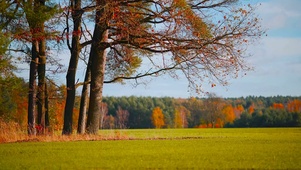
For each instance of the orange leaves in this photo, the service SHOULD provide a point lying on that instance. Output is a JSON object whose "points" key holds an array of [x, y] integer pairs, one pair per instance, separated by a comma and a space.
{"points": [[294, 106], [157, 118], [238, 110], [251, 109], [58, 115], [278, 106], [228, 111], [243, 11]]}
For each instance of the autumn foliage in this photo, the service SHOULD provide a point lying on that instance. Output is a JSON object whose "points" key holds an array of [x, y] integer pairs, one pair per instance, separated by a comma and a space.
{"points": [[278, 106], [180, 117], [229, 113], [294, 106], [157, 118]]}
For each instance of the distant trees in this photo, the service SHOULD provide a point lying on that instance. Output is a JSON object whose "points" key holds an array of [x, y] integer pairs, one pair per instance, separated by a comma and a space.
{"points": [[157, 118], [229, 115], [212, 112], [103, 117], [195, 112], [181, 117], [140, 112], [294, 106], [122, 117]]}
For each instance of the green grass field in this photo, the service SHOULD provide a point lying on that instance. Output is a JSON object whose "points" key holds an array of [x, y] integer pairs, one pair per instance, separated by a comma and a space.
{"points": [[275, 148]]}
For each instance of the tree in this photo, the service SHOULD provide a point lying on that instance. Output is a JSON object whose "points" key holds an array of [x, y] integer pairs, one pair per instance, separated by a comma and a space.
{"points": [[180, 117], [294, 106], [122, 117], [75, 48], [278, 106], [213, 106], [197, 46], [181, 35], [104, 113], [109, 122], [239, 109], [25, 23], [157, 118], [195, 108], [228, 111]]}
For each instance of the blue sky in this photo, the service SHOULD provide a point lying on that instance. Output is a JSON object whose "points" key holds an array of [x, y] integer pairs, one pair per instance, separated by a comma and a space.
{"points": [[276, 60]]}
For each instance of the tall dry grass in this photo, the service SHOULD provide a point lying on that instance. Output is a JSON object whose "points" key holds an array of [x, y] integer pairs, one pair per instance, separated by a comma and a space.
{"points": [[13, 132]]}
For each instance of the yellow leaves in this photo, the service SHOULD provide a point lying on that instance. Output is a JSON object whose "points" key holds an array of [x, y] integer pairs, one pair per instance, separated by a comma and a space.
{"points": [[193, 21], [180, 3], [157, 117]]}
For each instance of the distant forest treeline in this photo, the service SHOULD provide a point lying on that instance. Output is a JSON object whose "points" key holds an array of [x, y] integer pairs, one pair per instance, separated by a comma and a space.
{"points": [[153, 112], [249, 111]]}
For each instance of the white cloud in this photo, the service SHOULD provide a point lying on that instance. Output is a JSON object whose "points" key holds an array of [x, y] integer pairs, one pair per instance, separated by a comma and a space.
{"points": [[273, 49], [278, 13]]}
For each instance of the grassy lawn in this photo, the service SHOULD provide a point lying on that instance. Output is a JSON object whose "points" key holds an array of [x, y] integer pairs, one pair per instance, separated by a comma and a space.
{"points": [[275, 148]]}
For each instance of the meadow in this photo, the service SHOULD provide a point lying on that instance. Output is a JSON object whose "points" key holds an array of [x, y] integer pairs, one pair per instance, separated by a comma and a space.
{"points": [[256, 148]]}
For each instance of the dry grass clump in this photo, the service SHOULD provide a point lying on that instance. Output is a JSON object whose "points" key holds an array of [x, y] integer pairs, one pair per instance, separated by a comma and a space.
{"points": [[13, 132]]}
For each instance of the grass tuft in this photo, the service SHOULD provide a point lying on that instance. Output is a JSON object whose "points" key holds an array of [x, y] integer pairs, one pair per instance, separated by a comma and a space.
{"points": [[11, 132]]}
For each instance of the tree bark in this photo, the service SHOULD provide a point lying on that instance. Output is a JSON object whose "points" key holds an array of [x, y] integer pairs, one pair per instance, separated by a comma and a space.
{"points": [[97, 76], [98, 61], [84, 101], [70, 78], [47, 123], [32, 89], [41, 86]]}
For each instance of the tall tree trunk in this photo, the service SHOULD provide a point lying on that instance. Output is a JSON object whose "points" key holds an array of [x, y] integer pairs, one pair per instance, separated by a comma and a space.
{"points": [[41, 72], [47, 123], [41, 85], [98, 61], [70, 78], [97, 77], [84, 101], [32, 89]]}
